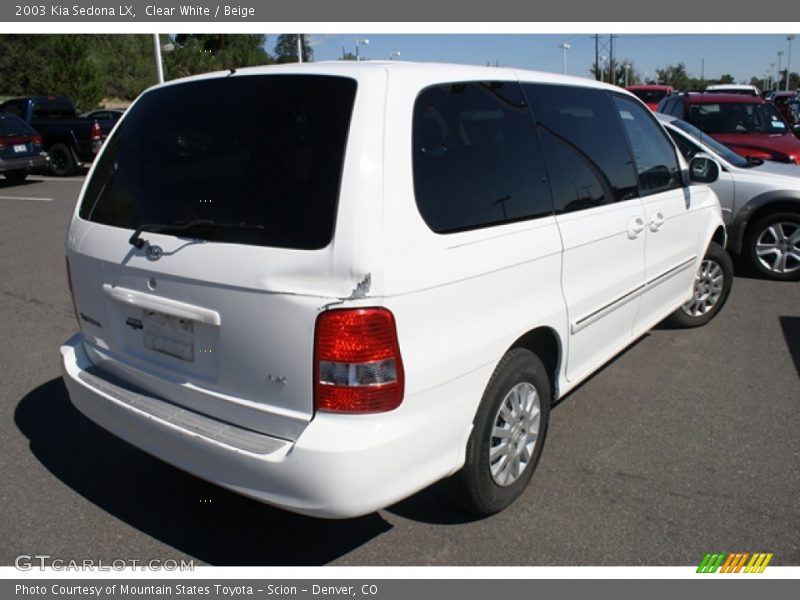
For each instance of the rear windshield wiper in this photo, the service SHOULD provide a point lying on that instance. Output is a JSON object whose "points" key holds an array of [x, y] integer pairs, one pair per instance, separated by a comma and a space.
{"points": [[138, 242]]}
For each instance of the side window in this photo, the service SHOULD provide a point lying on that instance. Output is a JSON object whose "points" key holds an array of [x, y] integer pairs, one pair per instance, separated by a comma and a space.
{"points": [[586, 149], [687, 148], [477, 159], [675, 108], [654, 155]]}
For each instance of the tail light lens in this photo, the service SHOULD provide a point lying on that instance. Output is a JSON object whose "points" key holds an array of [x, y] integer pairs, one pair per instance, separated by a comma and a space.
{"points": [[37, 142], [357, 364], [96, 131]]}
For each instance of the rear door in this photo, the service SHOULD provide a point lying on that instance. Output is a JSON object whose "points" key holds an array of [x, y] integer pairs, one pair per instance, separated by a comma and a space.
{"points": [[599, 215], [218, 317]]}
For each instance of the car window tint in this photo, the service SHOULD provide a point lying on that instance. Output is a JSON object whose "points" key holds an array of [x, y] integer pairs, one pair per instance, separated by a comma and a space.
{"points": [[477, 160], [11, 125], [654, 155], [583, 119], [687, 148], [262, 150]]}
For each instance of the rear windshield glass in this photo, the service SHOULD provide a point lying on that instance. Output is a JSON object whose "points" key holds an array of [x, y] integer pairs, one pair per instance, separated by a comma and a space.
{"points": [[263, 151], [651, 96], [11, 125]]}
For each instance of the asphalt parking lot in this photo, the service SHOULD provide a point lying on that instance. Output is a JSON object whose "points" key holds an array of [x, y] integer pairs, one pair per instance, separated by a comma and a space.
{"points": [[686, 443]]}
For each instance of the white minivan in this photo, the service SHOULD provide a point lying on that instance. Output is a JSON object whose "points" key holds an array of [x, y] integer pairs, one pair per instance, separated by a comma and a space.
{"points": [[327, 286]]}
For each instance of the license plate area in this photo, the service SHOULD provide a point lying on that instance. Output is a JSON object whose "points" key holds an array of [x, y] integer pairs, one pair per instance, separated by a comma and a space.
{"points": [[20, 148], [173, 336]]}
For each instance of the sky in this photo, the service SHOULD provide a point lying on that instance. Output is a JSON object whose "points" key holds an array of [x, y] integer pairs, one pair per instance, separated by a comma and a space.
{"points": [[709, 55]]}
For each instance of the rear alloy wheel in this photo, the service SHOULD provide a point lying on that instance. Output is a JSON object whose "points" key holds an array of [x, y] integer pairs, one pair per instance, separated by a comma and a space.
{"points": [[712, 284], [772, 246], [62, 162], [507, 436]]}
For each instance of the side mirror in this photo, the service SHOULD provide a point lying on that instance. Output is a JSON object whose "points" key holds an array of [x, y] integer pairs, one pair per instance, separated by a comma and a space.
{"points": [[703, 169]]}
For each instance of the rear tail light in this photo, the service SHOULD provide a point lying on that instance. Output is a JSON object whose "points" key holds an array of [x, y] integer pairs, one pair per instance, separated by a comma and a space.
{"points": [[357, 364], [96, 132], [37, 142]]}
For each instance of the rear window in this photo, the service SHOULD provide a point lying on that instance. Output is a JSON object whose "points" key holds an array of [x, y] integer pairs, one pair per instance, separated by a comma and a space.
{"points": [[11, 125], [53, 109], [651, 96], [263, 151]]}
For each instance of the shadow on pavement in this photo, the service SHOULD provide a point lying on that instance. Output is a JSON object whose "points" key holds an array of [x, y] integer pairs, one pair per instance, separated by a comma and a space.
{"points": [[791, 331], [195, 517]]}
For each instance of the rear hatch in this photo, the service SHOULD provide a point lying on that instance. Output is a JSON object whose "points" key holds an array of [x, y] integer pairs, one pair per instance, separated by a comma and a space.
{"points": [[17, 138], [200, 254]]}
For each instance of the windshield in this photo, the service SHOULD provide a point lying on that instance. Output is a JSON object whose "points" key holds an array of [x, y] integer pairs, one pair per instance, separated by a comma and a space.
{"points": [[649, 96], [722, 150], [264, 150], [735, 117]]}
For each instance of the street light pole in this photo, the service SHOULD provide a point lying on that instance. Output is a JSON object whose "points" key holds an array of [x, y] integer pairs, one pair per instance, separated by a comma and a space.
{"points": [[364, 42], [778, 86], [159, 65], [564, 47], [789, 38]]}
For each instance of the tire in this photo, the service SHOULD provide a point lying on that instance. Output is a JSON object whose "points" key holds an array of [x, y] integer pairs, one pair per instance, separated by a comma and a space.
{"points": [[772, 246], [497, 469], [16, 176], [712, 285], [62, 161]]}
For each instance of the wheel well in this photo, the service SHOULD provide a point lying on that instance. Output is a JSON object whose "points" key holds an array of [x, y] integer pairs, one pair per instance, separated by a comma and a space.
{"points": [[544, 343], [720, 237], [772, 207]]}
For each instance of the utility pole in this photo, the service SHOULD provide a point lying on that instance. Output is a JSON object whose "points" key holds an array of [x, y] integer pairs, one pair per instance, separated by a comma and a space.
{"points": [[597, 56], [612, 75], [789, 38], [564, 47]]}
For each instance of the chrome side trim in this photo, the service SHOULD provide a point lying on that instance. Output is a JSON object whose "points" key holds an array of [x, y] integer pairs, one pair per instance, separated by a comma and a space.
{"points": [[598, 314]]}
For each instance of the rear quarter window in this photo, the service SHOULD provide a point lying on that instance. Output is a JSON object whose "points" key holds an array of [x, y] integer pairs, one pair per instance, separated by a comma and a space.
{"points": [[477, 160], [263, 150]]}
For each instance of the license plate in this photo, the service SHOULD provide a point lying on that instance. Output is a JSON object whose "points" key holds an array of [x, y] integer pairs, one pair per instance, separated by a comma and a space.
{"points": [[20, 148], [169, 335]]}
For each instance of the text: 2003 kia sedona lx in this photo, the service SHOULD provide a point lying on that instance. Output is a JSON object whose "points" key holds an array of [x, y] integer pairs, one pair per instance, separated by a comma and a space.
{"points": [[327, 286]]}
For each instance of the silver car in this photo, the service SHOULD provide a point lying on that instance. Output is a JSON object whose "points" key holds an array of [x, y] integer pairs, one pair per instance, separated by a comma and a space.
{"points": [[760, 202]]}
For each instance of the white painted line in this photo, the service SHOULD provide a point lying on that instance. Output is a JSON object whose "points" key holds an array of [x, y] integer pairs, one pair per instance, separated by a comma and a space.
{"points": [[26, 198]]}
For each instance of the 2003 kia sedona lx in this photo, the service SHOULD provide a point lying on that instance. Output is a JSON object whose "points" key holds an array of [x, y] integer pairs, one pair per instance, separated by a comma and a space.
{"points": [[327, 286]]}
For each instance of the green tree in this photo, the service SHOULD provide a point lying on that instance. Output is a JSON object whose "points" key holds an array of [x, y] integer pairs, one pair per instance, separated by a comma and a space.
{"points": [[73, 71], [126, 63], [286, 48], [674, 75], [24, 64], [202, 53]]}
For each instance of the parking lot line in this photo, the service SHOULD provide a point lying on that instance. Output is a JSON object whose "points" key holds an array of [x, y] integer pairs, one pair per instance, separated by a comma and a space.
{"points": [[26, 198]]}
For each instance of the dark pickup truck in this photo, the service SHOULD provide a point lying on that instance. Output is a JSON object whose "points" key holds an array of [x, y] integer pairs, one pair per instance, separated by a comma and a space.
{"points": [[71, 141]]}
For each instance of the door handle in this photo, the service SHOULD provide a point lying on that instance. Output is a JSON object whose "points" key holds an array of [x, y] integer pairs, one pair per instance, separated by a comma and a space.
{"points": [[656, 222], [635, 227]]}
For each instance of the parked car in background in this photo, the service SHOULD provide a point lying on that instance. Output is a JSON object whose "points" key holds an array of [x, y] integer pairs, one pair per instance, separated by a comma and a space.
{"points": [[70, 141], [749, 125], [106, 117], [784, 101], [20, 148], [384, 282], [734, 88], [650, 94], [760, 202]]}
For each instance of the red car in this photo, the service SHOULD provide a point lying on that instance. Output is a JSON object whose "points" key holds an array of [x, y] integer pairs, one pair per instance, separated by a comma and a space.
{"points": [[782, 101], [650, 94], [749, 125]]}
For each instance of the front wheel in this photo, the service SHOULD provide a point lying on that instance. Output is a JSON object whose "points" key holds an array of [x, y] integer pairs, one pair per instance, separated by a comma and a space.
{"points": [[507, 436], [772, 246], [712, 284]]}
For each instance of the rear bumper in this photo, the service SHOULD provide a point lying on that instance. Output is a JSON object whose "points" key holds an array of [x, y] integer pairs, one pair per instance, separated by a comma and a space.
{"points": [[24, 163], [341, 465]]}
